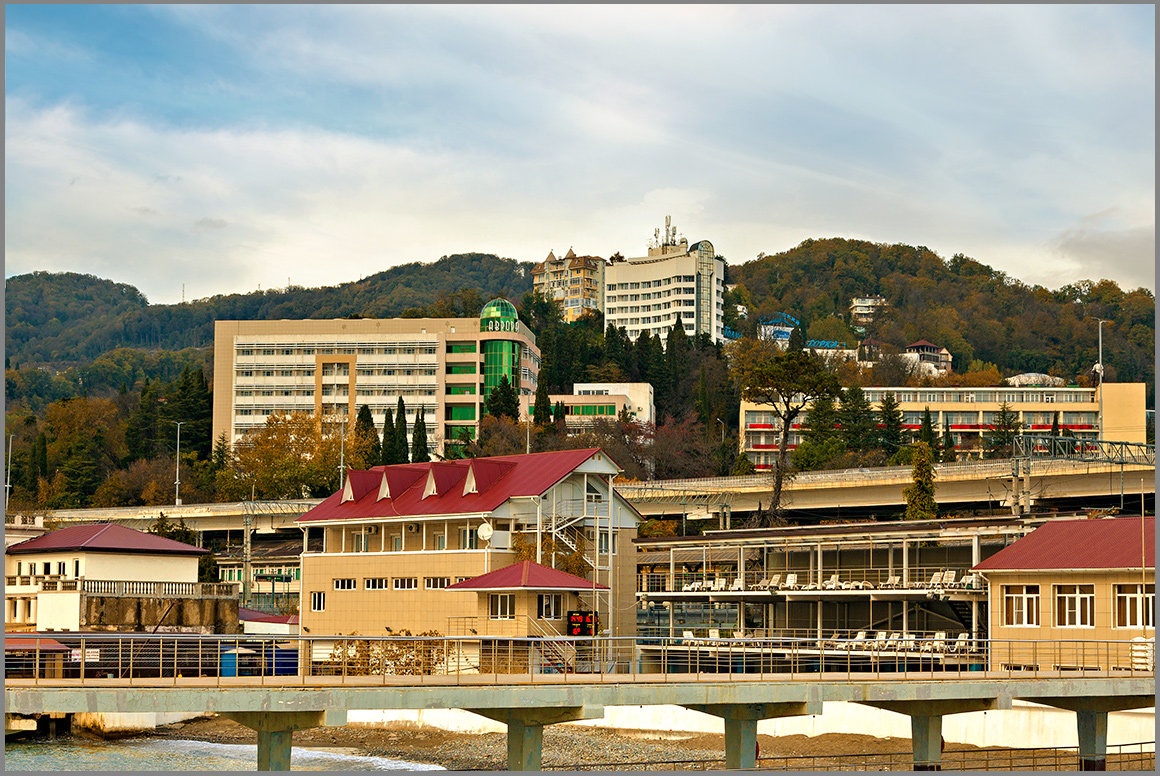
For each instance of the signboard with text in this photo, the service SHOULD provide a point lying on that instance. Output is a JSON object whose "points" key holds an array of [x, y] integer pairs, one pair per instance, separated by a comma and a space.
{"points": [[583, 623]]}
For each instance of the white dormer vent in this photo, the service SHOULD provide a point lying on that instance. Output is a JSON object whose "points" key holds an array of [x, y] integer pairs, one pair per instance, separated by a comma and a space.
{"points": [[384, 489], [469, 481], [429, 489], [347, 492]]}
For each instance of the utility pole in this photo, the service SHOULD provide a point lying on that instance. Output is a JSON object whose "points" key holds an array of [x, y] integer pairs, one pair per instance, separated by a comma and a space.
{"points": [[1100, 369], [722, 430], [8, 479], [177, 467]]}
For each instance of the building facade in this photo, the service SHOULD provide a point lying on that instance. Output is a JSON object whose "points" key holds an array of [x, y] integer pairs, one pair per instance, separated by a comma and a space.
{"points": [[675, 279], [591, 401], [969, 413], [863, 309], [443, 367], [396, 537], [1070, 582], [576, 282]]}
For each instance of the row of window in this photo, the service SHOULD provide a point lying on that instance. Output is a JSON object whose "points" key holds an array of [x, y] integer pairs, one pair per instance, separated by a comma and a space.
{"points": [[653, 283], [468, 540], [1075, 606], [234, 574], [365, 350], [1080, 396], [501, 606], [46, 568], [394, 583]]}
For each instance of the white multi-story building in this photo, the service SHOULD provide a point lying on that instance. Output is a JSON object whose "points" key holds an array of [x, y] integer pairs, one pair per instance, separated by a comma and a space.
{"points": [[675, 279], [592, 401]]}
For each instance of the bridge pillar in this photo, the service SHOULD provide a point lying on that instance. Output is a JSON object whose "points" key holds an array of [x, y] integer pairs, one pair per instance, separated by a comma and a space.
{"points": [[926, 723], [741, 725], [275, 731], [525, 730], [1091, 717]]}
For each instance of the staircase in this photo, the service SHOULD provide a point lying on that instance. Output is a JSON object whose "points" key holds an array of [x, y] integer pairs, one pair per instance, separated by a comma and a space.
{"points": [[555, 656], [962, 611]]}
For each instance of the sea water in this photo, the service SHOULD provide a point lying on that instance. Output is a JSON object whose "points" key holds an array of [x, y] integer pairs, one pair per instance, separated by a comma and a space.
{"points": [[164, 754]]}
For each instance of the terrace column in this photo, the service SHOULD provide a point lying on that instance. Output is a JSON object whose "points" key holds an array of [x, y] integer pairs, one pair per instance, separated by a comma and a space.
{"points": [[275, 730], [525, 730], [1091, 717], [926, 722], [741, 725]]}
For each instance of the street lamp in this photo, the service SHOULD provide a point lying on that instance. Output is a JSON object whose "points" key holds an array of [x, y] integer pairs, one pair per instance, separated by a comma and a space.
{"points": [[177, 466], [1100, 369], [722, 429]]}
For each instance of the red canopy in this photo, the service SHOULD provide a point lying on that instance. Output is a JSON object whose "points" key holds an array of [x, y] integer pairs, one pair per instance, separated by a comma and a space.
{"points": [[527, 575]]}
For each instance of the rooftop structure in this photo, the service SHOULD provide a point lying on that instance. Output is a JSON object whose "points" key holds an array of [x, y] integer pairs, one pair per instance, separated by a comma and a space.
{"points": [[576, 282]]}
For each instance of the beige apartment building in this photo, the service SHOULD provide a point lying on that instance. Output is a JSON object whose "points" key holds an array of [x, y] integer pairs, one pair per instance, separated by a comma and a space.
{"points": [[647, 294], [576, 282], [443, 367], [1071, 582], [395, 538], [970, 412], [591, 401]]}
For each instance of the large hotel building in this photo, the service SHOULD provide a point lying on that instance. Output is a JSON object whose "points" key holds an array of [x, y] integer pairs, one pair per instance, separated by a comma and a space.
{"points": [[576, 282], [445, 366], [648, 293]]}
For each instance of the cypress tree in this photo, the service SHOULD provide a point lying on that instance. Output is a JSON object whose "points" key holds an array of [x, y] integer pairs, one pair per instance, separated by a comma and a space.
{"points": [[797, 340], [141, 427], [401, 452], [542, 412], [419, 453], [926, 431], [859, 426], [891, 418], [559, 419], [1055, 424], [920, 503], [388, 448], [366, 438], [948, 445]]}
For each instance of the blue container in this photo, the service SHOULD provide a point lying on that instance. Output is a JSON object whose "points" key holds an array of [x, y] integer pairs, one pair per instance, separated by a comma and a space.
{"points": [[230, 663], [283, 661]]}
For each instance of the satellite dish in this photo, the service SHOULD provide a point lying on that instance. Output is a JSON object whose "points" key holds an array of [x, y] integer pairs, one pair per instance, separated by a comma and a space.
{"points": [[484, 531]]}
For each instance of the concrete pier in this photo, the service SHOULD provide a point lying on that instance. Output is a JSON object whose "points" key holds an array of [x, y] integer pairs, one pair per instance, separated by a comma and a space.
{"points": [[276, 730]]}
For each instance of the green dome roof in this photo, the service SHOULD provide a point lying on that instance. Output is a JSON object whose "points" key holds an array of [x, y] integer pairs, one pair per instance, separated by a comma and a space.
{"points": [[499, 308]]}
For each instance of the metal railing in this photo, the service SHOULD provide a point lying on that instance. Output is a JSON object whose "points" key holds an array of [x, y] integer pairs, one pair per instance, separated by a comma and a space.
{"points": [[137, 588], [774, 582], [1073, 449], [197, 660]]}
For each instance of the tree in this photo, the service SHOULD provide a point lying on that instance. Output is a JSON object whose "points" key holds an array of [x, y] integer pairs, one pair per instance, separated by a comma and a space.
{"points": [[388, 449], [821, 420], [926, 431], [141, 428], [542, 412], [419, 452], [1005, 428], [1055, 424], [401, 432], [919, 495], [743, 466], [859, 426], [787, 382], [948, 454], [504, 402], [560, 419], [890, 416], [797, 340], [365, 451], [292, 456], [207, 570]]}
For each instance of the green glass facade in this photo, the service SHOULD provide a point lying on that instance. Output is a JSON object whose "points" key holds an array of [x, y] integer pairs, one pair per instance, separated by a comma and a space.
{"points": [[500, 357]]}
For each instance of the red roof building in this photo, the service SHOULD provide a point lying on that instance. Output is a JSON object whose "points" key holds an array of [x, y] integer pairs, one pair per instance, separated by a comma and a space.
{"points": [[103, 537], [1106, 544], [527, 575]]}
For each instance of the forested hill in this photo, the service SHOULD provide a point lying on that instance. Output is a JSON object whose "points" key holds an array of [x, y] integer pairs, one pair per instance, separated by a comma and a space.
{"points": [[65, 319], [976, 312]]}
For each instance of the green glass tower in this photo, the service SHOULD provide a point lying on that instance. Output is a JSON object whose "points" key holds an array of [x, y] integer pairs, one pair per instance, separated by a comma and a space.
{"points": [[500, 357]]}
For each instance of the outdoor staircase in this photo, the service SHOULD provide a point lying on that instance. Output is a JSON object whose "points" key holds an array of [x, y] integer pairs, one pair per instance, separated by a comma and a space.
{"points": [[962, 612]]}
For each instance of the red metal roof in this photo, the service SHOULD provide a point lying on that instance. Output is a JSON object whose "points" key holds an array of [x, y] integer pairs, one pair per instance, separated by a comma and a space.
{"points": [[104, 537], [1107, 543], [451, 487], [527, 575], [253, 615], [28, 642]]}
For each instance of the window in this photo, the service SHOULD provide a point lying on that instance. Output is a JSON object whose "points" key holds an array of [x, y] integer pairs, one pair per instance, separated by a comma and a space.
{"points": [[549, 606], [1021, 605], [468, 539], [436, 583], [19, 568], [602, 542], [317, 602], [375, 583], [1075, 606], [396, 544], [405, 583], [502, 606], [47, 568], [359, 543], [440, 542], [60, 567], [344, 584], [76, 568], [1130, 606]]}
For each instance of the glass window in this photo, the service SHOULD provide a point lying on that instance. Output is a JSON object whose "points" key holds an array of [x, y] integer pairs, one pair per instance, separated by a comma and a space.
{"points": [[549, 606], [468, 539], [1131, 606], [440, 542], [1021, 605], [436, 583], [344, 584], [76, 568], [461, 369], [406, 583], [396, 544], [60, 567], [376, 583], [502, 606], [1075, 606], [317, 601]]}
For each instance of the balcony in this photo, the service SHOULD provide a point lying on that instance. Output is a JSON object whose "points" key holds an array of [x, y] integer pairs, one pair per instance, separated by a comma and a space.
{"points": [[122, 588]]}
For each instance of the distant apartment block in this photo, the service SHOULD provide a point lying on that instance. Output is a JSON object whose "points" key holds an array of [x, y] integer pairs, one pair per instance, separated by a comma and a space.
{"points": [[647, 294], [576, 282], [970, 413], [863, 309], [591, 401], [445, 367], [928, 357]]}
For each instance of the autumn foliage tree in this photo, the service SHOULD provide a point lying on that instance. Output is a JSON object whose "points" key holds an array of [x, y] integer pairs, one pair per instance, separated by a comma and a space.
{"points": [[292, 456]]}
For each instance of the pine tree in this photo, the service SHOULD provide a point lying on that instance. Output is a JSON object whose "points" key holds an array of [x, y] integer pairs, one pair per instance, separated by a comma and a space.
{"points": [[504, 401], [919, 495], [890, 416], [366, 450], [859, 426], [1005, 428], [542, 413], [926, 431], [677, 349], [141, 427], [614, 346], [821, 421], [797, 340], [949, 455], [388, 448], [1055, 424], [419, 452], [401, 451]]}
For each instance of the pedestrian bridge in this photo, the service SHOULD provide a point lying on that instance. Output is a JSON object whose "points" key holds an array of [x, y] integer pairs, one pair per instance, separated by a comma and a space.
{"points": [[276, 685]]}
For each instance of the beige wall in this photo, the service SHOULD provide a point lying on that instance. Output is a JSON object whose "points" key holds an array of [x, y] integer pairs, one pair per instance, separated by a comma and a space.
{"points": [[58, 611], [1055, 645], [111, 565], [1124, 412]]}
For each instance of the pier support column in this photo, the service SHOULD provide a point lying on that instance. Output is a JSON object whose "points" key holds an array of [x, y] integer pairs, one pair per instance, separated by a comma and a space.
{"points": [[741, 725], [525, 730], [275, 731], [1093, 740], [926, 722]]}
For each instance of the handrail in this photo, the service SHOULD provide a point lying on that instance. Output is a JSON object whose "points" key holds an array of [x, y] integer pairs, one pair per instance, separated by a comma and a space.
{"points": [[133, 587]]}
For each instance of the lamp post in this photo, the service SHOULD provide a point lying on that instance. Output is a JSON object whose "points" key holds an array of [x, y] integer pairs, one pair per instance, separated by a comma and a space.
{"points": [[1100, 369], [8, 478], [722, 429], [177, 467]]}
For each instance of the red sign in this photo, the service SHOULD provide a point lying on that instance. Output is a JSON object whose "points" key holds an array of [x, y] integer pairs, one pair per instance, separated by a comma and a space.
{"points": [[583, 623]]}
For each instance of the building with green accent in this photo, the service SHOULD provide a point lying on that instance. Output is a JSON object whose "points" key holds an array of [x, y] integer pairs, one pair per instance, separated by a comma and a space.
{"points": [[443, 367]]}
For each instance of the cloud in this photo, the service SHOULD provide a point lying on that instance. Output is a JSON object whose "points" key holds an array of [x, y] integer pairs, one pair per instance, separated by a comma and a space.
{"points": [[210, 223]]}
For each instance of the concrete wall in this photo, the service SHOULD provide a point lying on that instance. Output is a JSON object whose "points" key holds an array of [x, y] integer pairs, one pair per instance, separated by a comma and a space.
{"points": [[58, 611], [185, 615]]}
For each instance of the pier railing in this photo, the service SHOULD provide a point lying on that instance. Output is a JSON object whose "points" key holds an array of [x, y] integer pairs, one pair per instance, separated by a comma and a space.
{"points": [[184, 659]]}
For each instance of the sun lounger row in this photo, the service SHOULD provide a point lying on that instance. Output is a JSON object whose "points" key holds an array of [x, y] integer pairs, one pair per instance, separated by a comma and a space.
{"points": [[939, 580], [939, 643]]}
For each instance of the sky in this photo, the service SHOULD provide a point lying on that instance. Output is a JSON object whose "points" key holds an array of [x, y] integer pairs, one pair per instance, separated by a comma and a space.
{"points": [[211, 149]]}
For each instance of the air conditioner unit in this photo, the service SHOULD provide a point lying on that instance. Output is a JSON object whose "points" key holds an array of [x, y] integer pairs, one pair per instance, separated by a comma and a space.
{"points": [[372, 530], [412, 528]]}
